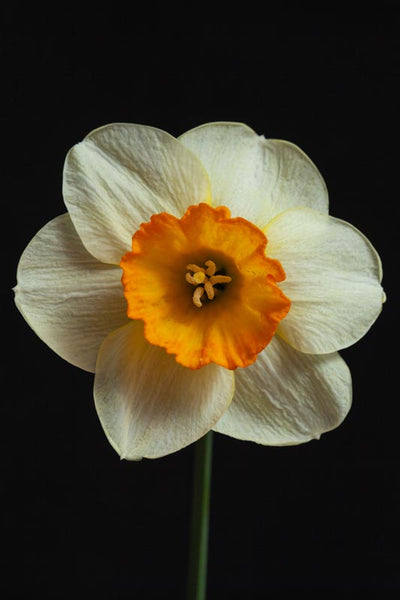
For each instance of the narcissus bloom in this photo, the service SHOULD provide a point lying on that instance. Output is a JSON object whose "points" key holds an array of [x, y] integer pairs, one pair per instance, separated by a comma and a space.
{"points": [[203, 282]]}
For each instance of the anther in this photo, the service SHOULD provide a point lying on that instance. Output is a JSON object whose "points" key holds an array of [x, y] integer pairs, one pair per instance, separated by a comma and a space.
{"points": [[195, 268], [197, 294], [209, 289], [211, 267], [220, 279]]}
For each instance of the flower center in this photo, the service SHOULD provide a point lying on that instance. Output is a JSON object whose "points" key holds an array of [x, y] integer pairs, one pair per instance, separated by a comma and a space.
{"points": [[204, 279]]}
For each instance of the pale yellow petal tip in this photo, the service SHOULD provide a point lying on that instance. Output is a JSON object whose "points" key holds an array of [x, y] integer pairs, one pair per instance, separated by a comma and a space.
{"points": [[384, 297], [130, 458]]}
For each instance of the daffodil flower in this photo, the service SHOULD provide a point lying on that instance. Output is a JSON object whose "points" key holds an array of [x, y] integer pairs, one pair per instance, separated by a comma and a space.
{"points": [[203, 282]]}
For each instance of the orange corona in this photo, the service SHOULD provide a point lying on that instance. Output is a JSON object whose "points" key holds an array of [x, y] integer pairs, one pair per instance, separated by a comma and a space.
{"points": [[204, 287]]}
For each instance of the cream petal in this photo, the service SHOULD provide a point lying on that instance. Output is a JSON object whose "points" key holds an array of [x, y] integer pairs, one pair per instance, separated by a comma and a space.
{"points": [[148, 404], [333, 277], [288, 397], [70, 299], [122, 174], [254, 177]]}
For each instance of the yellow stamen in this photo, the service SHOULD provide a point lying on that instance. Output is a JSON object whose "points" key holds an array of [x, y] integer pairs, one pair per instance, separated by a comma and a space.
{"points": [[195, 268], [209, 289], [197, 294], [211, 267], [220, 279], [204, 277]]}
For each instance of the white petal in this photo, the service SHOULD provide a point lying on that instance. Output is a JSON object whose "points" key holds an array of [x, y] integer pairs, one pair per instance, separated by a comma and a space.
{"points": [[254, 177], [288, 397], [333, 279], [148, 404], [70, 299], [121, 175]]}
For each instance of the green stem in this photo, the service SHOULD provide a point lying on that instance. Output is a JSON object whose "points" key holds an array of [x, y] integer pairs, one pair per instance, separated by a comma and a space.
{"points": [[198, 551]]}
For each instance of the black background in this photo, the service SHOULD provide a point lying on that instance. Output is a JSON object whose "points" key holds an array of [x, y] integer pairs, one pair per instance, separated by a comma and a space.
{"points": [[321, 518]]}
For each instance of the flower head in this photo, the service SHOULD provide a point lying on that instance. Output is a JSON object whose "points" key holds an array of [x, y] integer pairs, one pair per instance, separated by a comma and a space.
{"points": [[203, 281]]}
